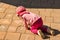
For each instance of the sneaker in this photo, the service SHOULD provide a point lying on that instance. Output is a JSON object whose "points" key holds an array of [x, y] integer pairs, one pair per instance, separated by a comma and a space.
{"points": [[41, 34], [50, 31]]}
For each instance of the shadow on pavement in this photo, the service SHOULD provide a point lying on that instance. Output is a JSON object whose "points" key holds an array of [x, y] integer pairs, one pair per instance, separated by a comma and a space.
{"points": [[56, 32], [34, 3]]}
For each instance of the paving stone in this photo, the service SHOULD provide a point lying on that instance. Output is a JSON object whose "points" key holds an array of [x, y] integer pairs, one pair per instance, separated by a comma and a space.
{"points": [[28, 9], [45, 12], [3, 28], [56, 13], [48, 12], [38, 37], [12, 7], [27, 37], [12, 28], [5, 21], [29, 32], [11, 11], [21, 29], [57, 37], [2, 9], [1, 4], [9, 16], [2, 35], [17, 23], [12, 36], [42, 12], [49, 19], [47, 24], [34, 10], [56, 19], [55, 26], [15, 17], [5, 6], [43, 18], [2, 15]]}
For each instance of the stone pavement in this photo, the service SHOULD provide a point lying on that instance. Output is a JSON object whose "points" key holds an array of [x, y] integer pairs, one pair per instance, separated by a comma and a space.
{"points": [[11, 27]]}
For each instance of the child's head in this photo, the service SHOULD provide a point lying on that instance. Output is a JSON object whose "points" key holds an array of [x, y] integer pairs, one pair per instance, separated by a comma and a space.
{"points": [[20, 10]]}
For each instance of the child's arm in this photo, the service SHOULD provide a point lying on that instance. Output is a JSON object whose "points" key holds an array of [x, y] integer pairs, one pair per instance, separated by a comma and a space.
{"points": [[26, 25]]}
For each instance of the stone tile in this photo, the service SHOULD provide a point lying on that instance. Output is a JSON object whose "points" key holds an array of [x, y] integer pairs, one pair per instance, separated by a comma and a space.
{"points": [[9, 15], [12, 28], [42, 12], [29, 32], [43, 18], [2, 35], [34, 10], [10, 11], [15, 17], [55, 26], [56, 19], [47, 24], [45, 12], [48, 12], [12, 7], [3, 28], [17, 23], [21, 29], [27, 37], [57, 37], [38, 37], [12, 36], [49, 19], [5, 21], [5, 5], [2, 9], [2, 15], [56, 13], [1, 4], [28, 9]]}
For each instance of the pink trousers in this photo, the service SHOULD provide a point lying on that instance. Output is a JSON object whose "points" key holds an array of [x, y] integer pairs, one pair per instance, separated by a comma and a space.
{"points": [[38, 25]]}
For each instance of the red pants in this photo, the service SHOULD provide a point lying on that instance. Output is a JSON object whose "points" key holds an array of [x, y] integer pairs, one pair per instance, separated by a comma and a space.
{"points": [[38, 25]]}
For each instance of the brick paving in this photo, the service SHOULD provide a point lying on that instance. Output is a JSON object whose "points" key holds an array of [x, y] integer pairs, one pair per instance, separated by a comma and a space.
{"points": [[12, 27]]}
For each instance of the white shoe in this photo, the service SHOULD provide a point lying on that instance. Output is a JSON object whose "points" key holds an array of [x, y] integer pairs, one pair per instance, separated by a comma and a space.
{"points": [[50, 31], [41, 34]]}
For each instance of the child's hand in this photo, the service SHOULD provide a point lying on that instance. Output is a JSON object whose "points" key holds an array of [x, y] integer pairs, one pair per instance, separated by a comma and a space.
{"points": [[28, 28]]}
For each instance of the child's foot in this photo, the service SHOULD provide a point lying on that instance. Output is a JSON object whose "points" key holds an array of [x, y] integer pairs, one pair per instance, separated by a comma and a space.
{"points": [[41, 34], [50, 31]]}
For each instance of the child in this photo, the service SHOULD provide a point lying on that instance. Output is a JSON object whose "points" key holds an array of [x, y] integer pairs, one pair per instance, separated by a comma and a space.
{"points": [[34, 20]]}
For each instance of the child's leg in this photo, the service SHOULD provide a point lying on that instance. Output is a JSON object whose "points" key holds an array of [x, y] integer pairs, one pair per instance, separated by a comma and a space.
{"points": [[34, 30], [37, 25], [40, 33], [40, 23], [45, 29], [50, 31]]}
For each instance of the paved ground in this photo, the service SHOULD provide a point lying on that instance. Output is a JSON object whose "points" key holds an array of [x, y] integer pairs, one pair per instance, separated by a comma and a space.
{"points": [[11, 27]]}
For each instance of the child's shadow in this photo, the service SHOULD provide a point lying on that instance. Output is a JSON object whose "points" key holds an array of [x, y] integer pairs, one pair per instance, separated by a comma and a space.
{"points": [[55, 31]]}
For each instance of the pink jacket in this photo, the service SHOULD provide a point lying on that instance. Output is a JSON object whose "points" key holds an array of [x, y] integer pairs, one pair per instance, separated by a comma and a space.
{"points": [[31, 18]]}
